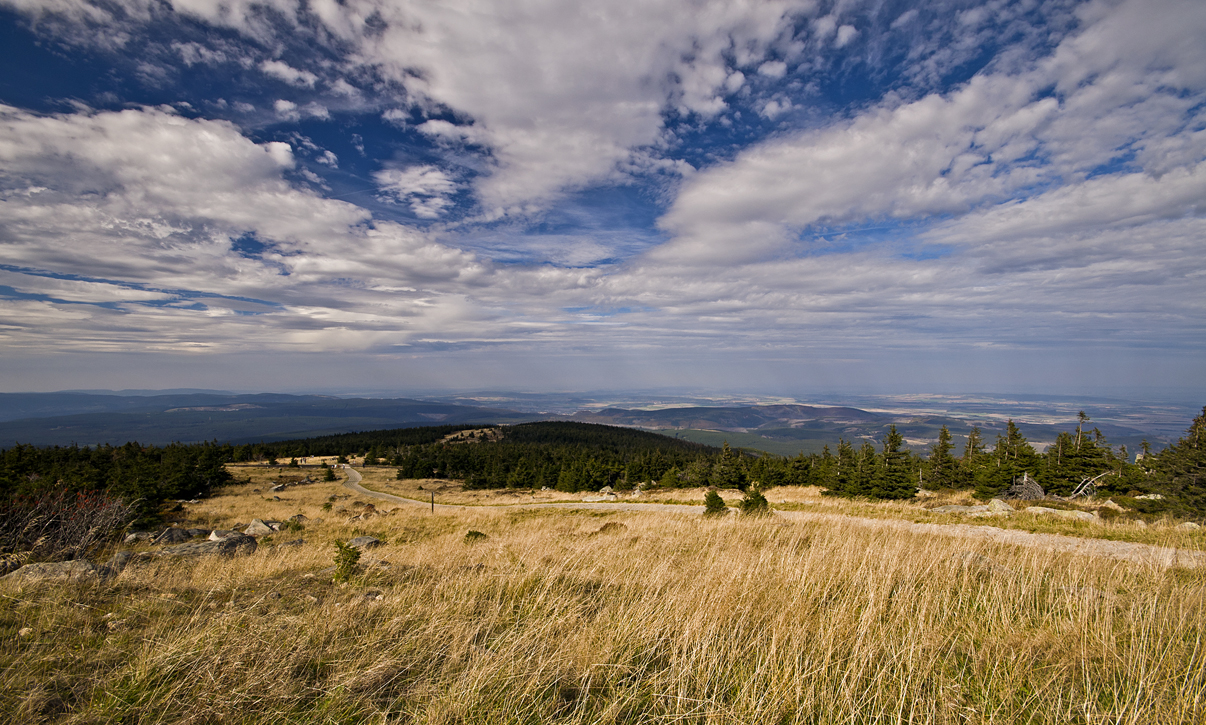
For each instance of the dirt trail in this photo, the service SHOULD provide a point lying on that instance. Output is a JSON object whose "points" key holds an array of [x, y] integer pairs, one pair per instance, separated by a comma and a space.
{"points": [[1124, 550]]}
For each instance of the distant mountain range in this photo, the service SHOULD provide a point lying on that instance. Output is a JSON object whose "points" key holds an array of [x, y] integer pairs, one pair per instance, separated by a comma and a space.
{"points": [[87, 418]]}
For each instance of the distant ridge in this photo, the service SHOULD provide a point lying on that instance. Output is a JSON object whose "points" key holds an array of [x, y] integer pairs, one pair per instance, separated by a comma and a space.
{"points": [[85, 419]]}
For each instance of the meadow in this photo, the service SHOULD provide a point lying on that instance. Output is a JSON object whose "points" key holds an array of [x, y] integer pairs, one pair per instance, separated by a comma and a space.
{"points": [[566, 616]]}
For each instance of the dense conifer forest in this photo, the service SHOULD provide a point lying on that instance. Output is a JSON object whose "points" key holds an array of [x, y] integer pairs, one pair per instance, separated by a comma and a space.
{"points": [[581, 456]]}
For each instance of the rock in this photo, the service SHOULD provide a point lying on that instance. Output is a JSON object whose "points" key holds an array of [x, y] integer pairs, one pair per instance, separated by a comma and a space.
{"points": [[59, 571], [116, 625], [1151, 497], [298, 518], [198, 532], [365, 542], [274, 525], [1188, 526], [1025, 489], [278, 488], [922, 493], [295, 542], [545, 488], [606, 489], [171, 535], [228, 546], [1062, 513], [25, 631], [1109, 504], [135, 536], [219, 534], [116, 563], [257, 528], [998, 506], [951, 509]]}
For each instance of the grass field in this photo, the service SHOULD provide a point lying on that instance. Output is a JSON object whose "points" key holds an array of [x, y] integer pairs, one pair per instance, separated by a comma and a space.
{"points": [[550, 619]]}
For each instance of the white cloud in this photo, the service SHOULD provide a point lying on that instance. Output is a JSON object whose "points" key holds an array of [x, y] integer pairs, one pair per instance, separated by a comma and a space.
{"points": [[155, 200], [286, 109], [425, 188], [773, 69], [287, 73], [195, 53], [845, 34]]}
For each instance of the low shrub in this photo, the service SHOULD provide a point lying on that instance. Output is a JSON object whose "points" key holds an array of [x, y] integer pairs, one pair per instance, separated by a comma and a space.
{"points": [[60, 524]]}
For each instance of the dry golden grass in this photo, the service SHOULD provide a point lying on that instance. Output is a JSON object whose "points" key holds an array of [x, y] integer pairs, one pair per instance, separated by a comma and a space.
{"points": [[672, 619]]}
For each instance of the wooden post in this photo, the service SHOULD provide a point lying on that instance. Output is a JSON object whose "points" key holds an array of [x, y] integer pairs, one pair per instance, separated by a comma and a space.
{"points": [[433, 502]]}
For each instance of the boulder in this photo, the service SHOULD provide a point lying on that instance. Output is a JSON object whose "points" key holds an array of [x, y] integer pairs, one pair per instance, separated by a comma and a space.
{"points": [[1109, 504], [606, 489], [1062, 513], [1189, 526], [229, 546], [198, 532], [1151, 497], [997, 506], [219, 534], [171, 535], [79, 571], [1024, 489], [118, 561], [135, 536], [365, 542], [257, 528], [298, 518], [278, 488]]}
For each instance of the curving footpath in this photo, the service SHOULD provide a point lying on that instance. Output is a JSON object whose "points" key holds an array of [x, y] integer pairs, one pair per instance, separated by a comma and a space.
{"points": [[1123, 550]]}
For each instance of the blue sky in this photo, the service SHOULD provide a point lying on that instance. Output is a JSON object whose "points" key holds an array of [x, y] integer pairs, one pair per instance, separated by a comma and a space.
{"points": [[780, 196]]}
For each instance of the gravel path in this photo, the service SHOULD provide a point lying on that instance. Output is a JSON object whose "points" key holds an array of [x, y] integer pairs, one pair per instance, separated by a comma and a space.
{"points": [[1123, 550]]}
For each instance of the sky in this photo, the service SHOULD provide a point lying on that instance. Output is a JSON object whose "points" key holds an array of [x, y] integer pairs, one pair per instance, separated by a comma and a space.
{"points": [[781, 195]]}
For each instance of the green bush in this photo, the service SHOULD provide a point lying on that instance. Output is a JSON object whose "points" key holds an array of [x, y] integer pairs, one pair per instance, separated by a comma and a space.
{"points": [[347, 561], [754, 503], [714, 505], [475, 536]]}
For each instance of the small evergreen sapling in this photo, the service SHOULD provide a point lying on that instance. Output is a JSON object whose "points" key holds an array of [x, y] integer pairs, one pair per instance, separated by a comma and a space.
{"points": [[714, 505], [754, 503], [347, 561]]}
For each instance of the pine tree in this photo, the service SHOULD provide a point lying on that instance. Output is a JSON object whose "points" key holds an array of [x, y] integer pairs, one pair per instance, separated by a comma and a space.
{"points": [[714, 505], [1180, 469], [1012, 457], [941, 469], [894, 481], [844, 470]]}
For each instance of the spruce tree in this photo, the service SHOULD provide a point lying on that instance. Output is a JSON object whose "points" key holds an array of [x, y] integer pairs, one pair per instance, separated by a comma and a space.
{"points": [[894, 481], [1012, 457], [941, 469], [714, 505]]}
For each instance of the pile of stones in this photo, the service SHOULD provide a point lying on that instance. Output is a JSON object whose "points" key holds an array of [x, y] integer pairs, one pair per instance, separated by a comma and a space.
{"points": [[175, 542]]}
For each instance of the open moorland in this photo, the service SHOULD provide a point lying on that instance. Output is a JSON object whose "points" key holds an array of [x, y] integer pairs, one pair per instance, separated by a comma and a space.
{"points": [[506, 613]]}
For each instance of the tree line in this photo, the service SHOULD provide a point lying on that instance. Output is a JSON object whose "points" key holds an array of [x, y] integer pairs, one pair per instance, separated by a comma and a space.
{"points": [[583, 456]]}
